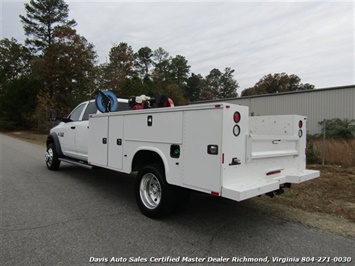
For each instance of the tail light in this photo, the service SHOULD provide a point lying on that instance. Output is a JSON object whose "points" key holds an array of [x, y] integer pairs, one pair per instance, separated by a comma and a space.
{"points": [[236, 117], [236, 128], [300, 125]]}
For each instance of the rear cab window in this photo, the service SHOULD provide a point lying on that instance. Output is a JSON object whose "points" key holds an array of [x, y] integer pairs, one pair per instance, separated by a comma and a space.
{"points": [[91, 109], [76, 114]]}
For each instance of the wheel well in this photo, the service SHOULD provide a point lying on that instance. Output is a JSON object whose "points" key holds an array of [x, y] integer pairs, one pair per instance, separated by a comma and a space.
{"points": [[145, 157], [49, 140], [53, 138]]}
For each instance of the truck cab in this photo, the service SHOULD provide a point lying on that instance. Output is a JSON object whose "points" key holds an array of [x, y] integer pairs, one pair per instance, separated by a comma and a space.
{"points": [[71, 135]]}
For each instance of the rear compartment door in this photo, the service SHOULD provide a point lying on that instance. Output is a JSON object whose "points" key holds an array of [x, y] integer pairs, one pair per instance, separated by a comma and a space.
{"points": [[274, 136]]}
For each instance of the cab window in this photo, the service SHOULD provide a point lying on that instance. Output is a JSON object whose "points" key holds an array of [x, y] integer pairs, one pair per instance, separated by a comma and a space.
{"points": [[75, 115], [123, 106], [91, 109]]}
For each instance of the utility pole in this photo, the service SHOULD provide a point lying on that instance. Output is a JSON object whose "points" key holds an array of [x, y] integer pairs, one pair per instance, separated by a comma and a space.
{"points": [[323, 150]]}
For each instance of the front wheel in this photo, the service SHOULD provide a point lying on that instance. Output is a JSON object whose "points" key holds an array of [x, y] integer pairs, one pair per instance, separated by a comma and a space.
{"points": [[52, 160], [155, 197]]}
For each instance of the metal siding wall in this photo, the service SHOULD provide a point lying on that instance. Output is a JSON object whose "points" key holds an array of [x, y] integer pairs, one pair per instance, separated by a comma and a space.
{"points": [[317, 105]]}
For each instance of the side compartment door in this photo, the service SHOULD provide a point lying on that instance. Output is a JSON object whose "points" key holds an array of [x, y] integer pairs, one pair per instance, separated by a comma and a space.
{"points": [[115, 147], [98, 141], [202, 130]]}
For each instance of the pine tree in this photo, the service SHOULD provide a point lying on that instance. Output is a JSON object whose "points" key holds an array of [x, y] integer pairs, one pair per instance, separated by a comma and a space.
{"points": [[41, 19]]}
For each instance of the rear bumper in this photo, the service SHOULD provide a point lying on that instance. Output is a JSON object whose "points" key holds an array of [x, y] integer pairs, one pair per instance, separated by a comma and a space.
{"points": [[245, 190], [300, 177]]}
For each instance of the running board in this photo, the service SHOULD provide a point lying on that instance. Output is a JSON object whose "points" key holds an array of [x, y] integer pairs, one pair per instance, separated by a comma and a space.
{"points": [[79, 163]]}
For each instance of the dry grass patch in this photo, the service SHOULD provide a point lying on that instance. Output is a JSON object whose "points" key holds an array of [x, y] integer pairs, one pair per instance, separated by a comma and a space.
{"points": [[337, 152], [333, 192], [327, 202], [39, 139]]}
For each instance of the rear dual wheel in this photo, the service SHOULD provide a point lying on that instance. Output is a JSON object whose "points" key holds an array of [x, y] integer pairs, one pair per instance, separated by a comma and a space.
{"points": [[155, 197]]}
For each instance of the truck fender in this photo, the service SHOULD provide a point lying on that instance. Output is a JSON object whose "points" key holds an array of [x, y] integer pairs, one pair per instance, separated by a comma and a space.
{"points": [[53, 138], [159, 153]]}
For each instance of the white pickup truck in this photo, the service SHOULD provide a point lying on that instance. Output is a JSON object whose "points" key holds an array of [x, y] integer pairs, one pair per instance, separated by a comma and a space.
{"points": [[215, 148]]}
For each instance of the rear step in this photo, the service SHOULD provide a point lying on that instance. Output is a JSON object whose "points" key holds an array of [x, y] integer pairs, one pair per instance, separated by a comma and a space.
{"points": [[245, 190], [252, 188], [79, 163]]}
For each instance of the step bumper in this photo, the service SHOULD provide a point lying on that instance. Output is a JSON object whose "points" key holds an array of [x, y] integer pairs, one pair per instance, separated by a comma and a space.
{"points": [[249, 189]]}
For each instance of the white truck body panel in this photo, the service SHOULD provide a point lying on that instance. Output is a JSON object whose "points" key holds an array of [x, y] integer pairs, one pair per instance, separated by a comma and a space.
{"points": [[74, 135], [268, 152], [202, 171]]}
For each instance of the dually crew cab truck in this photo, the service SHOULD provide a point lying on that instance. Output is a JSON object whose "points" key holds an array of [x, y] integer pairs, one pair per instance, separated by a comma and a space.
{"points": [[215, 148]]}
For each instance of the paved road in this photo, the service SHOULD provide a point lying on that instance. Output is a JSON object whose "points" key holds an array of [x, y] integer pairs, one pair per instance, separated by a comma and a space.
{"points": [[74, 216]]}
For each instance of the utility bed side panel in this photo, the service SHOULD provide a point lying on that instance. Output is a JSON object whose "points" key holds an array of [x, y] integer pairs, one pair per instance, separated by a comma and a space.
{"points": [[234, 142], [116, 142], [172, 165], [98, 137], [201, 170], [154, 127], [156, 132]]}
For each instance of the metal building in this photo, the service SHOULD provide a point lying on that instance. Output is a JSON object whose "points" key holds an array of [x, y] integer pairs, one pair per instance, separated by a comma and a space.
{"points": [[317, 104]]}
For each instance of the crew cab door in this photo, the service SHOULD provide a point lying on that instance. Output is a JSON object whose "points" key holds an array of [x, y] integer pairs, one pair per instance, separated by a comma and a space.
{"points": [[68, 131], [75, 132], [82, 132]]}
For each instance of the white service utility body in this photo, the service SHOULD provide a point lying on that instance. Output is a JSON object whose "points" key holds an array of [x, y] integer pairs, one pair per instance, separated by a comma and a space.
{"points": [[214, 148]]}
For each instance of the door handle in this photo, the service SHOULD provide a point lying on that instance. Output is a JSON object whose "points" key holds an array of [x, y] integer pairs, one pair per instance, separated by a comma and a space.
{"points": [[73, 127]]}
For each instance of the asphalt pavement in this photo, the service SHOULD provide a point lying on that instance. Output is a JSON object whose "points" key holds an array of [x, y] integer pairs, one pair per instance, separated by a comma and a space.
{"points": [[76, 216]]}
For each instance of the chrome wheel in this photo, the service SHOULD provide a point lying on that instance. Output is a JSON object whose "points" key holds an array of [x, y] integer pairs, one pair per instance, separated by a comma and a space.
{"points": [[155, 197], [52, 160], [49, 157], [150, 191]]}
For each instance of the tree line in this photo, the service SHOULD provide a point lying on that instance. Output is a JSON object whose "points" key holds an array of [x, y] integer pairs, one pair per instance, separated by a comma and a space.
{"points": [[58, 68]]}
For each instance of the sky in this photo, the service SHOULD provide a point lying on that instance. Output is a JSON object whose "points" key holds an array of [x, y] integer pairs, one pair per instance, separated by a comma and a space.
{"points": [[312, 39]]}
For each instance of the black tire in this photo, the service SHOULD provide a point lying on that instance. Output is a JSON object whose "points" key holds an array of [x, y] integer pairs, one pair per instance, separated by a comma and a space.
{"points": [[52, 160], [183, 198], [155, 197]]}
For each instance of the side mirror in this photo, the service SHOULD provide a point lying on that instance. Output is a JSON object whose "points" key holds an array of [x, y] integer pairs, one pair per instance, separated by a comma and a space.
{"points": [[65, 119], [53, 115]]}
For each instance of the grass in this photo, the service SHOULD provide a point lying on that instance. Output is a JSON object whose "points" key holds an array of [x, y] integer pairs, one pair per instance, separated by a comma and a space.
{"points": [[337, 152], [332, 193], [32, 137], [327, 202]]}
